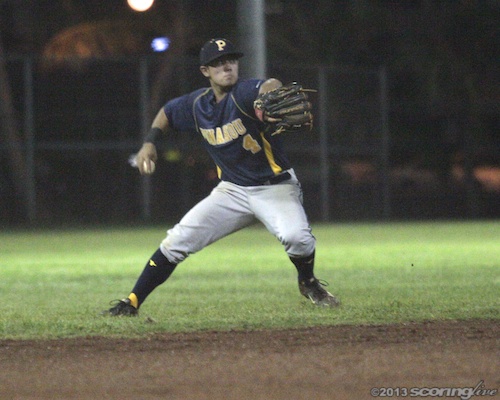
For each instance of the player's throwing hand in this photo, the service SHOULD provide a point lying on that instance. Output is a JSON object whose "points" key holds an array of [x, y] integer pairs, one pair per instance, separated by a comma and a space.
{"points": [[146, 159]]}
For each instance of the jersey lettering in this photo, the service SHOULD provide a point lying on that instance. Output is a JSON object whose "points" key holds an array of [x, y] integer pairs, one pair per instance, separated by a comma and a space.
{"points": [[219, 137], [224, 134], [209, 135], [230, 130], [250, 144]]}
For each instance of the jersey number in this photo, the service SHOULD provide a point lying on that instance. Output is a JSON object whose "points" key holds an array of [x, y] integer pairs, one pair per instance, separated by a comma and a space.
{"points": [[250, 144]]}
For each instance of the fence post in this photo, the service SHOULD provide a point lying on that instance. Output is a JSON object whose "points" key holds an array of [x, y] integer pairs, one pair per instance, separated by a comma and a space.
{"points": [[385, 148], [324, 152], [146, 186], [29, 132]]}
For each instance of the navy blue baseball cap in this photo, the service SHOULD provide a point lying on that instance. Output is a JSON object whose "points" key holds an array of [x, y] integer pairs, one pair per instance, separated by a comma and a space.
{"points": [[215, 48]]}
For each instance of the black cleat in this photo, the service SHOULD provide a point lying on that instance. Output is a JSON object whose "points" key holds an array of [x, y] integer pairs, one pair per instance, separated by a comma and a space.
{"points": [[122, 307], [314, 291]]}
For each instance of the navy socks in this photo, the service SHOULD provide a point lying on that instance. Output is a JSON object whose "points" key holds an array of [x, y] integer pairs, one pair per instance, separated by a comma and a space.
{"points": [[305, 266], [156, 271]]}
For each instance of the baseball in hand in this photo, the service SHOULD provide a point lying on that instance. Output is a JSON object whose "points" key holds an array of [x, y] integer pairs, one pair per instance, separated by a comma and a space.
{"points": [[148, 166]]}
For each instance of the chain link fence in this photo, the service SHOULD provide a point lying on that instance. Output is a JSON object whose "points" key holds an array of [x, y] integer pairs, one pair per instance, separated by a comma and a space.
{"points": [[77, 127]]}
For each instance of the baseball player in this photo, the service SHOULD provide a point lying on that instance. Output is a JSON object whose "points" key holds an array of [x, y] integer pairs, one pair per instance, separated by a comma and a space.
{"points": [[257, 182]]}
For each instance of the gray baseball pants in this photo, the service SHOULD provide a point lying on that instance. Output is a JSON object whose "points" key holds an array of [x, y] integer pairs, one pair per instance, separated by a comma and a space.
{"points": [[231, 207]]}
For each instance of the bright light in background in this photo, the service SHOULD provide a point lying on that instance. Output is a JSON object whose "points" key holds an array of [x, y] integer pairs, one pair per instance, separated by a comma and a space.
{"points": [[140, 5], [160, 44]]}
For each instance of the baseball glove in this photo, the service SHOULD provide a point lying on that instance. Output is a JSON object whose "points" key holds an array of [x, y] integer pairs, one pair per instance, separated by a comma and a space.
{"points": [[288, 105]]}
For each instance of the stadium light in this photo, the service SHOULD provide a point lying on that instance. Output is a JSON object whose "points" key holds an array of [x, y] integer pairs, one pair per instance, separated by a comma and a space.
{"points": [[160, 44], [140, 5]]}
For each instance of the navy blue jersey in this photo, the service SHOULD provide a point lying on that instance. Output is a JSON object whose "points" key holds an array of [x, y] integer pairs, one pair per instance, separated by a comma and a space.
{"points": [[231, 133]]}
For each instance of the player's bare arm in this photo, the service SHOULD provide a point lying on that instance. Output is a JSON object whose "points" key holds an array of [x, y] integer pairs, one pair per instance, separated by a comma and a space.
{"points": [[270, 84], [147, 155]]}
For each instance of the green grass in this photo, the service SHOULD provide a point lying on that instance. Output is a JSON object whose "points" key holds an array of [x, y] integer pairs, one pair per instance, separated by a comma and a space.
{"points": [[55, 283]]}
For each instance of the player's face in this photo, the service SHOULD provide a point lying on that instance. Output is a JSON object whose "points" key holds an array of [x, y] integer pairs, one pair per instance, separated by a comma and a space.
{"points": [[222, 72]]}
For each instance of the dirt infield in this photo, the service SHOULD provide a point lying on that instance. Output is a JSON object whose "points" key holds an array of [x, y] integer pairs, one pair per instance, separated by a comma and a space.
{"points": [[340, 362]]}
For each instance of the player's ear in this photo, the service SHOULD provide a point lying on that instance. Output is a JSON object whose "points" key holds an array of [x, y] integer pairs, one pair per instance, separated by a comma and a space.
{"points": [[204, 70]]}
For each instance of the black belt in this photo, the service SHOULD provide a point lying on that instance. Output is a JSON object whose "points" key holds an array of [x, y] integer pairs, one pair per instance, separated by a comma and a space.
{"points": [[278, 179]]}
